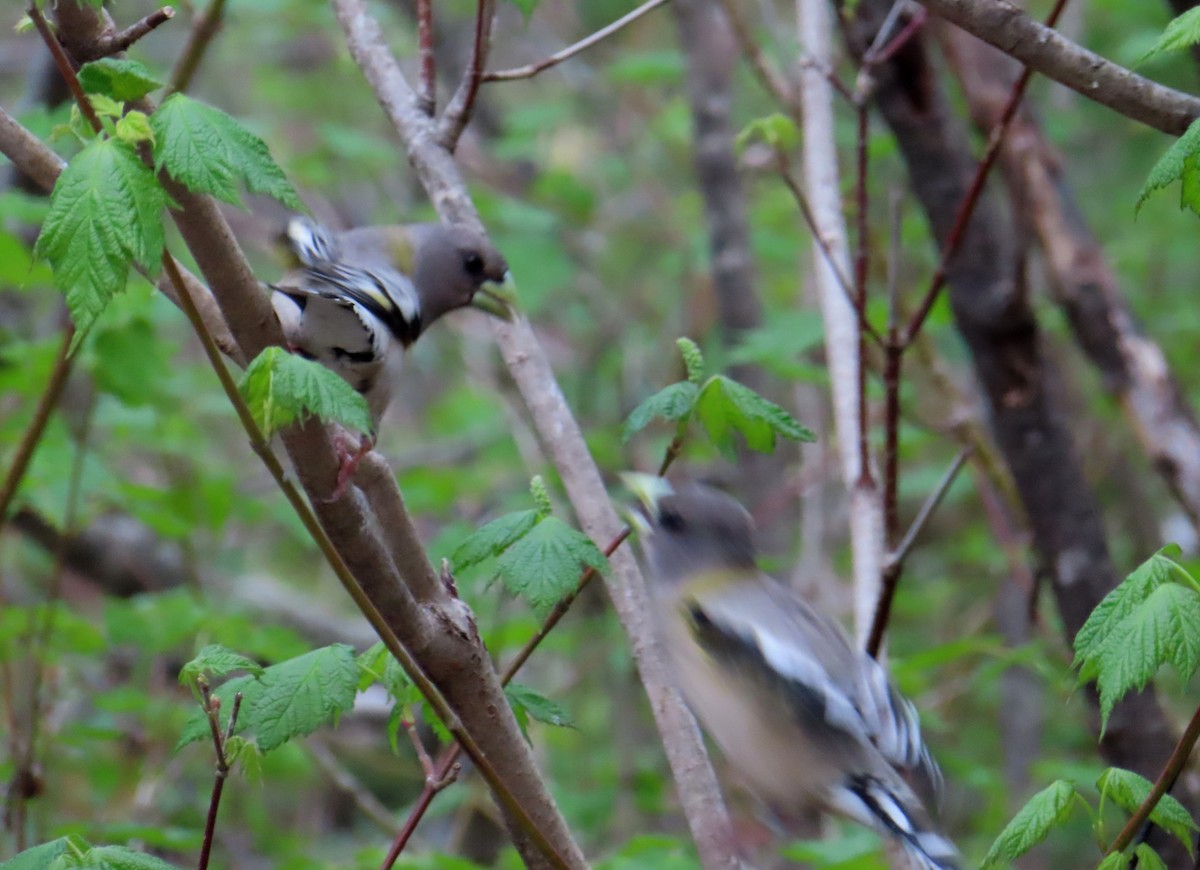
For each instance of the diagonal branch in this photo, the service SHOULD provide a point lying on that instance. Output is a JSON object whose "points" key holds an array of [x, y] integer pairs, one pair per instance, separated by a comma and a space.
{"points": [[530, 70], [1044, 50], [562, 439]]}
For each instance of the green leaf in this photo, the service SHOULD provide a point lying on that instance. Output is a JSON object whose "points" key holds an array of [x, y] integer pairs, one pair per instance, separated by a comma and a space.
{"points": [[44, 856], [119, 78], [693, 359], [289, 699], [776, 130], [493, 539], [121, 858], [544, 565], [134, 128], [246, 755], [1120, 602], [380, 666], [280, 388], [1043, 812], [674, 402], [302, 694], [1148, 859], [1178, 164], [1128, 790], [1115, 861], [1182, 32], [725, 406], [1165, 628], [208, 151], [105, 211], [216, 661], [541, 497], [538, 706]]}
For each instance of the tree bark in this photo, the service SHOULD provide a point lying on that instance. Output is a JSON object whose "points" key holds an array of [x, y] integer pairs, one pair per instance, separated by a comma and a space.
{"points": [[997, 323]]}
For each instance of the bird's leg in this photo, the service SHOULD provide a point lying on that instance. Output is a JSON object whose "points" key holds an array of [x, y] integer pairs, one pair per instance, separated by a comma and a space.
{"points": [[349, 456]]}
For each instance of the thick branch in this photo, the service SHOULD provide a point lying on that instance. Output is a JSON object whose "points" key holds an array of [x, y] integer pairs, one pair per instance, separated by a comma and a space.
{"points": [[562, 439], [1133, 367], [1043, 49], [999, 327]]}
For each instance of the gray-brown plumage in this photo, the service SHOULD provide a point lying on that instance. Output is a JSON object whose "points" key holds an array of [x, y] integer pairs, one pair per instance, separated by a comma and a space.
{"points": [[349, 295], [804, 716]]}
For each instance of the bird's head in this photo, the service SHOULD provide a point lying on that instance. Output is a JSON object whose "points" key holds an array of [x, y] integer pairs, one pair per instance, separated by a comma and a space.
{"points": [[690, 529], [454, 267]]}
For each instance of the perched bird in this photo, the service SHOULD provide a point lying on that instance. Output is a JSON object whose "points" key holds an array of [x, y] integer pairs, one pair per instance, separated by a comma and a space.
{"points": [[808, 719], [348, 296]]}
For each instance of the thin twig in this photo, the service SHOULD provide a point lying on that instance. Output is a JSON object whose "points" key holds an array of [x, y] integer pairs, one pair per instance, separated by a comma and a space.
{"points": [[204, 29], [462, 104], [342, 778], [118, 42], [861, 265], [212, 709], [894, 562], [965, 208], [772, 80], [410, 728], [427, 81], [793, 185], [530, 70], [37, 426], [1170, 773], [65, 69]]}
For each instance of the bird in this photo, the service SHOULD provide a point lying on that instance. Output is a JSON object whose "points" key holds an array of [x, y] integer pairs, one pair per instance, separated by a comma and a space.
{"points": [[348, 296], [808, 719]]}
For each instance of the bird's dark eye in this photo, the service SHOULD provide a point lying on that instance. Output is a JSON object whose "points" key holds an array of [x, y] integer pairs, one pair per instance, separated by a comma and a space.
{"points": [[473, 263], [670, 520]]}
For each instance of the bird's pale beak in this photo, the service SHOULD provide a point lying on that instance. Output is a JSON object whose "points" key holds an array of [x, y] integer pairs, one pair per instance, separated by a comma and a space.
{"points": [[497, 298], [649, 489]]}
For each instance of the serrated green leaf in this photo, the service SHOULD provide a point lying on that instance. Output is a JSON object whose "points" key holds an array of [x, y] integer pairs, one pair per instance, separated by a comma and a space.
{"points": [[121, 858], [105, 212], [1042, 813], [1182, 32], [246, 756], [724, 407], [45, 855], [120, 78], [493, 539], [671, 403], [301, 694], [216, 661], [538, 706], [208, 151], [1178, 164], [1148, 859], [134, 128], [371, 662], [1115, 861], [1119, 603], [1165, 628], [544, 565], [281, 388], [1128, 790]]}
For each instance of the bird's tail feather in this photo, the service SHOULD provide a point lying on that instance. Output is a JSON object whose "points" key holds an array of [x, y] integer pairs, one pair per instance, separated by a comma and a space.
{"points": [[901, 817]]}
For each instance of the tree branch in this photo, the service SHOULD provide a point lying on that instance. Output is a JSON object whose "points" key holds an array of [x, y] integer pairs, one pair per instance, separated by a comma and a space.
{"points": [[530, 70], [842, 319], [563, 441], [1044, 50]]}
